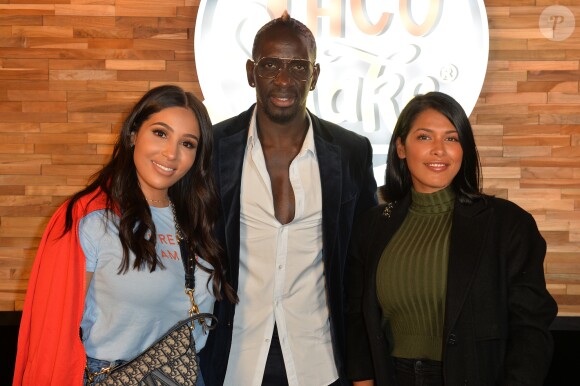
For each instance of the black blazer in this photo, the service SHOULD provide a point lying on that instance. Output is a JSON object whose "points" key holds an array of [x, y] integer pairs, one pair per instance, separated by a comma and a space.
{"points": [[348, 188], [497, 310]]}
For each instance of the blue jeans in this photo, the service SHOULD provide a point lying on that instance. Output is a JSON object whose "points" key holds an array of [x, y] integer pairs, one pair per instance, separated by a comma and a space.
{"points": [[96, 365]]}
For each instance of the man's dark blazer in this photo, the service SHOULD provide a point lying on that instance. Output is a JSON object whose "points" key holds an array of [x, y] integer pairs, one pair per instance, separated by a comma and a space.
{"points": [[348, 188], [497, 310]]}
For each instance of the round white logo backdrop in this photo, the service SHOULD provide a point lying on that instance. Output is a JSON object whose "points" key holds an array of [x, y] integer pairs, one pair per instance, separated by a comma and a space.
{"points": [[374, 57]]}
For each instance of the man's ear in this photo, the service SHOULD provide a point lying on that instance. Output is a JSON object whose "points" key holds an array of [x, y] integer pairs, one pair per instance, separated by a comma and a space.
{"points": [[250, 73], [315, 73]]}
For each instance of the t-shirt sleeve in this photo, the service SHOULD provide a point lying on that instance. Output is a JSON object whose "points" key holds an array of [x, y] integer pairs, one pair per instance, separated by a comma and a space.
{"points": [[92, 229]]}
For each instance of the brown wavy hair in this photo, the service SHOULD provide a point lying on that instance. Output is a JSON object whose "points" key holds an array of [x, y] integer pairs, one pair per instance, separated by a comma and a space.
{"points": [[194, 196]]}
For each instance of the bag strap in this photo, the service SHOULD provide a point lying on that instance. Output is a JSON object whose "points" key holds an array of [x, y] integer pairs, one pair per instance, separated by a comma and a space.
{"points": [[189, 269], [188, 266]]}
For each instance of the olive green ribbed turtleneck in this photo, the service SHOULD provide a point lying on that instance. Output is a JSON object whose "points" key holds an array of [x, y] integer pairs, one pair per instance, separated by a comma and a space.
{"points": [[412, 276]]}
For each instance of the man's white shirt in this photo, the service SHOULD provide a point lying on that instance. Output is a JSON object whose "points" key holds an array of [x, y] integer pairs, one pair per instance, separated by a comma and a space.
{"points": [[281, 276]]}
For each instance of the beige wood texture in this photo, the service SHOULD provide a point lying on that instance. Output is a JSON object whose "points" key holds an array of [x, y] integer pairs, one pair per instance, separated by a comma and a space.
{"points": [[531, 98], [70, 70]]}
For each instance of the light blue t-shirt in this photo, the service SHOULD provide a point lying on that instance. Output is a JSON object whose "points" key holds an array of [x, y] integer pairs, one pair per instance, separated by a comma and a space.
{"points": [[125, 313]]}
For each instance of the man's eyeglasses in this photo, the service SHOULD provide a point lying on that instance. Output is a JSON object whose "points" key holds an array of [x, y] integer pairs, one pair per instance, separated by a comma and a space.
{"points": [[299, 69]]}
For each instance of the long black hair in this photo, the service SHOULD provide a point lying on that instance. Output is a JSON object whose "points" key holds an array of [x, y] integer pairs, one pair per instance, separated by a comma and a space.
{"points": [[194, 196], [467, 182]]}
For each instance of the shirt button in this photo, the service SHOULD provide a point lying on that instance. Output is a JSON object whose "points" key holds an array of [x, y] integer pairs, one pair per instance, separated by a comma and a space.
{"points": [[280, 266]]}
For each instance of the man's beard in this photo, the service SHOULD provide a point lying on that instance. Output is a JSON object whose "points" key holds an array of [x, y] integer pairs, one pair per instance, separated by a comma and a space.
{"points": [[282, 117]]}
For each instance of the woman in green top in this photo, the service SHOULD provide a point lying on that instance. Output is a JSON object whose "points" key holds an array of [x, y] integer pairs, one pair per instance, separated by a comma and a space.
{"points": [[445, 285]]}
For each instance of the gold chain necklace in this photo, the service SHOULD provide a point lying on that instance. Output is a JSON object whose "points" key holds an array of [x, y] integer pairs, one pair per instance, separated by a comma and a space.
{"points": [[166, 199]]}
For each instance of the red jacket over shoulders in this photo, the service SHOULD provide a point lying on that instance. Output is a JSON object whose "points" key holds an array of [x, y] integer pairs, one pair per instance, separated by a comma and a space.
{"points": [[50, 351]]}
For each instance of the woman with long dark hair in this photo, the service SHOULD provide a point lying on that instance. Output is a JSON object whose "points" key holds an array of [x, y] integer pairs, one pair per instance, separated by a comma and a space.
{"points": [[109, 263], [445, 284]]}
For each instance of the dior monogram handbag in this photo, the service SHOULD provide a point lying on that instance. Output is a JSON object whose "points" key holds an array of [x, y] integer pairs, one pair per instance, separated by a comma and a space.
{"points": [[170, 361]]}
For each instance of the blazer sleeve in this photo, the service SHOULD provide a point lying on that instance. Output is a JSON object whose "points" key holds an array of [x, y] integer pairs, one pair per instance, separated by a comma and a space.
{"points": [[359, 363], [530, 306]]}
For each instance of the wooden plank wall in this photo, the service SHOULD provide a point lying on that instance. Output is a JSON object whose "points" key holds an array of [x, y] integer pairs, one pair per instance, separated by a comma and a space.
{"points": [[70, 69], [527, 124]]}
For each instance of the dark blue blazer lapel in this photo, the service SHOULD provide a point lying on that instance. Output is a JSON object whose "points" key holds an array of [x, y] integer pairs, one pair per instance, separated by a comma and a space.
{"points": [[329, 164]]}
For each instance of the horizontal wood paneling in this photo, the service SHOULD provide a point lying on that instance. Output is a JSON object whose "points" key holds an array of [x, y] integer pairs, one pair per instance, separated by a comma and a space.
{"points": [[69, 72], [532, 93], [71, 69]]}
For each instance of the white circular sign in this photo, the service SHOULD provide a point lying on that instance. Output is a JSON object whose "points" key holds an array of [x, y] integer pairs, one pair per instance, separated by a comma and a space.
{"points": [[374, 57]]}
